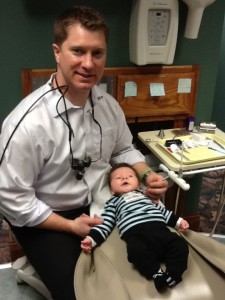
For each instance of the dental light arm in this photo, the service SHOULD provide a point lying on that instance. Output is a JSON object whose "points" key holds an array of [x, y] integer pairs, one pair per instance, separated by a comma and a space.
{"points": [[195, 12]]}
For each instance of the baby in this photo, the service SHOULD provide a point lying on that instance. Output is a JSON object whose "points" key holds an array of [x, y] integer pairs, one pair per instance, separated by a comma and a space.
{"points": [[143, 226]]}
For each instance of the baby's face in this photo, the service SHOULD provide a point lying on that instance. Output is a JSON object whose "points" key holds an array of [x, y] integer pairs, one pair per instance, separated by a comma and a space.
{"points": [[123, 180]]}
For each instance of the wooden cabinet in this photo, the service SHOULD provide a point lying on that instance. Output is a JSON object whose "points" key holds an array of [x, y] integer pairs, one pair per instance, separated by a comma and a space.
{"points": [[143, 107]]}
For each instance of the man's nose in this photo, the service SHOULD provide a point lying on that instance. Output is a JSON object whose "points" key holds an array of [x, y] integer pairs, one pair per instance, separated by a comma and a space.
{"points": [[87, 61]]}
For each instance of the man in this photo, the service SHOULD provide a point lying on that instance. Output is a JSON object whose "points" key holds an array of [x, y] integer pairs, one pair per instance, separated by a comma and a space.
{"points": [[57, 144]]}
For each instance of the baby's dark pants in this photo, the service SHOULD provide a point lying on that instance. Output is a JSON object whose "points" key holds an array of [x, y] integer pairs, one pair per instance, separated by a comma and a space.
{"points": [[149, 244]]}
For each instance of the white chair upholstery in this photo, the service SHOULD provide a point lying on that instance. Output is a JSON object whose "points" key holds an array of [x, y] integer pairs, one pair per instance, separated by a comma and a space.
{"points": [[107, 274]]}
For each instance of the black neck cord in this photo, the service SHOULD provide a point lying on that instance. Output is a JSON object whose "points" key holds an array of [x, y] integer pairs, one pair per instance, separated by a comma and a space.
{"points": [[93, 117], [17, 125], [67, 122], [88, 160]]}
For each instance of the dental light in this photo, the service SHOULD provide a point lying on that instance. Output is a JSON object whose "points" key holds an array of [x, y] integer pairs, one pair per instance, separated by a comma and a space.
{"points": [[195, 12]]}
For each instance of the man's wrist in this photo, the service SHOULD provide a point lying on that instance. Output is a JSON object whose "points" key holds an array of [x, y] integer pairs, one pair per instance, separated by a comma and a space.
{"points": [[145, 174]]}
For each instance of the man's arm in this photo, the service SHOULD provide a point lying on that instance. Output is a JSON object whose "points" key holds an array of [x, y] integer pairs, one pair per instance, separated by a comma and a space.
{"points": [[79, 226]]}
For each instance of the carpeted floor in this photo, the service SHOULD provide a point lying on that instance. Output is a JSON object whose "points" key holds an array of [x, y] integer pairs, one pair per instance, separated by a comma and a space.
{"points": [[208, 202], [5, 256]]}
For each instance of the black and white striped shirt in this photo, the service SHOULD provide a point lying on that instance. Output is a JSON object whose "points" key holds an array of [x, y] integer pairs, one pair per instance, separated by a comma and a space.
{"points": [[128, 210]]}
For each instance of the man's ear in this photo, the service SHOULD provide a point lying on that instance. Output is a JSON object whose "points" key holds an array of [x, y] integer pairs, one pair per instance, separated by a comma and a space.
{"points": [[56, 51]]}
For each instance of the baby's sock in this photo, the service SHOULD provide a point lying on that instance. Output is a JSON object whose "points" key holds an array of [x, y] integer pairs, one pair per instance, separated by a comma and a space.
{"points": [[160, 280], [170, 281]]}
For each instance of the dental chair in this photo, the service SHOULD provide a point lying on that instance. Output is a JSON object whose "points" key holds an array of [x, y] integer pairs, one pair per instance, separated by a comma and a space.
{"points": [[107, 274], [25, 273]]}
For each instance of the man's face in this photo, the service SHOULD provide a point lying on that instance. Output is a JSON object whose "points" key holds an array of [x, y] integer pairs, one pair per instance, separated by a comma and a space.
{"points": [[81, 58]]}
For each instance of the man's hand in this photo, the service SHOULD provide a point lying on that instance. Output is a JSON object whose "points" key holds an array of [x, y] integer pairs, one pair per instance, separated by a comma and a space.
{"points": [[84, 223], [155, 183], [156, 186]]}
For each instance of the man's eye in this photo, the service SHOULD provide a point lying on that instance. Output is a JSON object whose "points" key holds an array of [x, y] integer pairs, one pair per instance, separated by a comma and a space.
{"points": [[77, 52], [98, 54]]}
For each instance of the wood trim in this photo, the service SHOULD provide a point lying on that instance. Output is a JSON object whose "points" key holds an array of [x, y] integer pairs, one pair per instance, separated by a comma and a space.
{"points": [[29, 74]]}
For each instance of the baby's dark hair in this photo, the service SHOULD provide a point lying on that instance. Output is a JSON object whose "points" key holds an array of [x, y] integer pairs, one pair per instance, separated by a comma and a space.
{"points": [[122, 165]]}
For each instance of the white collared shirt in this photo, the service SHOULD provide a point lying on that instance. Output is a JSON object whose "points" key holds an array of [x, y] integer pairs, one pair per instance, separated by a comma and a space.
{"points": [[36, 176]]}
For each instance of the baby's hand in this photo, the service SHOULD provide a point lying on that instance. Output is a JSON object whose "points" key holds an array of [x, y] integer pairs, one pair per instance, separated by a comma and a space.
{"points": [[183, 225], [86, 245]]}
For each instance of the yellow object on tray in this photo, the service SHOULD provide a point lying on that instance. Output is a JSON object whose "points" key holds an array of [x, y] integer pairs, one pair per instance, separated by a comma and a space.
{"points": [[201, 153]]}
